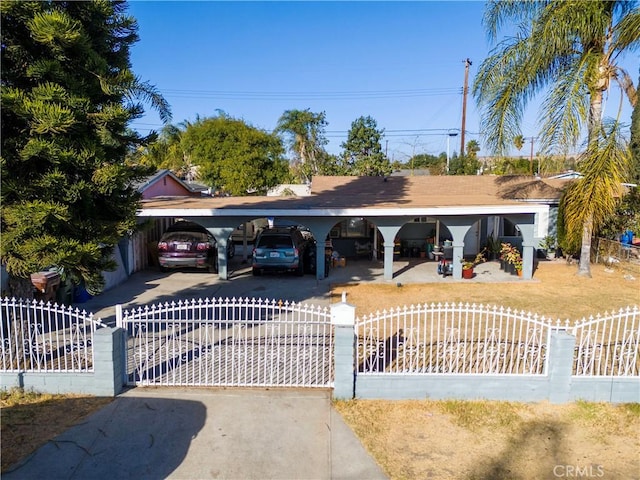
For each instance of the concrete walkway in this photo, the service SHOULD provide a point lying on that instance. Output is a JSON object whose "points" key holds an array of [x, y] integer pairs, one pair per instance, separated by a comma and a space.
{"points": [[156, 433]]}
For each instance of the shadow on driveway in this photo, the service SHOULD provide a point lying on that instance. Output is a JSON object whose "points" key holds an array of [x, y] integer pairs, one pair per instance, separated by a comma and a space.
{"points": [[129, 438]]}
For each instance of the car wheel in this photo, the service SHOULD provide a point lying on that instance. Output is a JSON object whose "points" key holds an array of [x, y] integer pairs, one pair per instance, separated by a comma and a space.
{"points": [[300, 270], [163, 269], [310, 264], [257, 272]]}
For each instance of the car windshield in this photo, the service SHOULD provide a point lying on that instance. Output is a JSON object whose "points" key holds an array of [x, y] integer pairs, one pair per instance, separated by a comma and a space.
{"points": [[184, 237], [275, 241]]}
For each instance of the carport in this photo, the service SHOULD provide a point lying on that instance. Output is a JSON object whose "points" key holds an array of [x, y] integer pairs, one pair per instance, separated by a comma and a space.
{"points": [[457, 202]]}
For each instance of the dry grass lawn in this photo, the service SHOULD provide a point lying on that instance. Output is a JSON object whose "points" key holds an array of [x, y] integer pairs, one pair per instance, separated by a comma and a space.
{"points": [[555, 292], [28, 420], [481, 440], [502, 440]]}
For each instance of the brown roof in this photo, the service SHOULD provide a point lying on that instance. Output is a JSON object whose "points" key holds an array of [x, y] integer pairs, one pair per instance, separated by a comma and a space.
{"points": [[384, 192]]}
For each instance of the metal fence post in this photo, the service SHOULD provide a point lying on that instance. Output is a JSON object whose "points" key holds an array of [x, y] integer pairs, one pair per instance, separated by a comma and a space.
{"points": [[344, 349], [119, 316], [125, 341]]}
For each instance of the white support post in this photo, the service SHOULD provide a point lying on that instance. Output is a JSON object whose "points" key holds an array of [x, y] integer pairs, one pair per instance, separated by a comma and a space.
{"points": [[344, 347]]}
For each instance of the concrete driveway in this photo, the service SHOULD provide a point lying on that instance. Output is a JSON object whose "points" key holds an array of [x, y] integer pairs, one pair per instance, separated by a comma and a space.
{"points": [[156, 433], [151, 286]]}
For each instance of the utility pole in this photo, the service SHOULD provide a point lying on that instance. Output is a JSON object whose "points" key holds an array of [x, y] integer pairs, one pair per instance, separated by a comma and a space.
{"points": [[465, 90], [531, 157]]}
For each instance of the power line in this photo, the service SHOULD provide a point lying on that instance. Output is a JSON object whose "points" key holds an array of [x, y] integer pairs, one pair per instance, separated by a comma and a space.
{"points": [[419, 132], [342, 95]]}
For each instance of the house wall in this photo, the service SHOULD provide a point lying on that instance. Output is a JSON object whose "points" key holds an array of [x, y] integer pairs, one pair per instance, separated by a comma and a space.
{"points": [[166, 186], [297, 189], [120, 274]]}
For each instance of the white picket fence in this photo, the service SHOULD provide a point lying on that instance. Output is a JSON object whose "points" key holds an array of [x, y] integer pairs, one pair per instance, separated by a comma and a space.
{"points": [[256, 342], [228, 342], [449, 338], [45, 337], [608, 345]]}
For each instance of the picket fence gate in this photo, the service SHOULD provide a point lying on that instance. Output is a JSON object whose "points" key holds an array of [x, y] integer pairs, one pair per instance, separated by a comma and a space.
{"points": [[228, 342]]}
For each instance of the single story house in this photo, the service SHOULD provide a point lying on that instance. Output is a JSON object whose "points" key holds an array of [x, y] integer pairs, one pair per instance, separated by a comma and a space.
{"points": [[462, 210], [166, 183]]}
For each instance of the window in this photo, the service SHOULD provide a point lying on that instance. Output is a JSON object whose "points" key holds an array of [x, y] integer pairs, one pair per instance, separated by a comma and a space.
{"points": [[510, 229], [354, 227], [423, 220]]}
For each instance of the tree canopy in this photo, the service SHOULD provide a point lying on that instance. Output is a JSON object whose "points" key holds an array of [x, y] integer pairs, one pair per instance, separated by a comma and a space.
{"points": [[363, 151], [436, 164], [226, 154], [68, 95]]}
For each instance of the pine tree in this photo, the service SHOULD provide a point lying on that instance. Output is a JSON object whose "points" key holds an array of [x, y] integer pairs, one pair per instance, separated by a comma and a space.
{"points": [[68, 93], [363, 151]]}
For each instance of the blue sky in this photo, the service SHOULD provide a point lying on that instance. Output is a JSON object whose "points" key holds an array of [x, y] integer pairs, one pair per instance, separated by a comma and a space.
{"points": [[402, 63]]}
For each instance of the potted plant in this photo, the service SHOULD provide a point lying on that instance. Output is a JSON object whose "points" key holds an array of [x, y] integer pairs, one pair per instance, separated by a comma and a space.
{"points": [[467, 265], [548, 244], [467, 268], [493, 247], [518, 265], [505, 251], [513, 258]]}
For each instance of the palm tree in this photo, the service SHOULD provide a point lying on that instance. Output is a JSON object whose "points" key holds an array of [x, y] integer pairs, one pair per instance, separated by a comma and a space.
{"points": [[518, 142], [307, 138], [568, 51], [473, 147]]}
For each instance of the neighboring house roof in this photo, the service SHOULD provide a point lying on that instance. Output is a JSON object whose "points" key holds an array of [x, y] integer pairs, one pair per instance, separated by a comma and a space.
{"points": [[408, 172], [290, 189], [165, 183], [197, 187], [342, 192], [568, 175]]}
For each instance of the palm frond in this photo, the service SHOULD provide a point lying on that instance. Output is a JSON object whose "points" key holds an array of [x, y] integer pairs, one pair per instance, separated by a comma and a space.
{"points": [[149, 93], [500, 13], [595, 196], [564, 111], [500, 90], [626, 33]]}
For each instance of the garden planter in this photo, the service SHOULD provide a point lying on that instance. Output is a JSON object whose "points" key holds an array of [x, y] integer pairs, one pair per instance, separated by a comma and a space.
{"points": [[519, 272], [467, 273]]}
